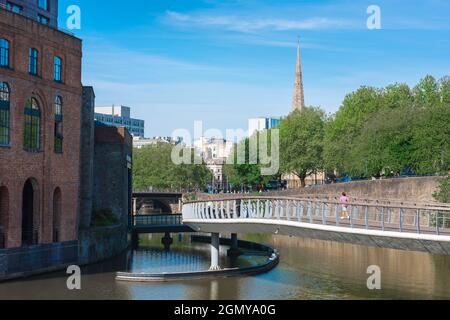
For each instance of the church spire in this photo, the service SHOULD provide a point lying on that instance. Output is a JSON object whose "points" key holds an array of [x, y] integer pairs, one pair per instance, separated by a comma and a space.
{"points": [[298, 101]]}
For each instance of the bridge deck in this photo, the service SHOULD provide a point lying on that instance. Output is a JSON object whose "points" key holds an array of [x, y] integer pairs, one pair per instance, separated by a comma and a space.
{"points": [[159, 223], [423, 228]]}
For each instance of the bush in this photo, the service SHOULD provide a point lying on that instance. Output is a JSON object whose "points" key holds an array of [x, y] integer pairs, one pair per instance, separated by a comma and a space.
{"points": [[103, 218], [443, 194]]}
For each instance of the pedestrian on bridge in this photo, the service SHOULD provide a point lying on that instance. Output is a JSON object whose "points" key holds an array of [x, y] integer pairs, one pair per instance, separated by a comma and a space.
{"points": [[344, 200]]}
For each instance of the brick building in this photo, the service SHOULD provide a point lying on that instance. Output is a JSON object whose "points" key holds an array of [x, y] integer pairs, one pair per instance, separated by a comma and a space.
{"points": [[43, 11], [40, 118]]}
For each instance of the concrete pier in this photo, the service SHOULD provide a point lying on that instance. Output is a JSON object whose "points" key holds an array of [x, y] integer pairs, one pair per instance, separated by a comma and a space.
{"points": [[215, 251], [234, 247]]}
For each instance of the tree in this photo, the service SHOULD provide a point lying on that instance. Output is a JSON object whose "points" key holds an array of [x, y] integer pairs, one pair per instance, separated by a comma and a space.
{"points": [[247, 172], [444, 89], [387, 131], [384, 146], [301, 143], [426, 93], [153, 167], [396, 96], [346, 125], [443, 194]]}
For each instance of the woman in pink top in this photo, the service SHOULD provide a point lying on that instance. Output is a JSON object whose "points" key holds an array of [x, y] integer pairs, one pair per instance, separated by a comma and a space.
{"points": [[344, 200]]}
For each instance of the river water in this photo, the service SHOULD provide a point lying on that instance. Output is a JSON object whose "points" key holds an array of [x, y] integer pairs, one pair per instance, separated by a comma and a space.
{"points": [[309, 269]]}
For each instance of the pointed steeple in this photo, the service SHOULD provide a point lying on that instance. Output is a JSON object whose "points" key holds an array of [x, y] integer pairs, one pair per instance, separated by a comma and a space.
{"points": [[298, 102]]}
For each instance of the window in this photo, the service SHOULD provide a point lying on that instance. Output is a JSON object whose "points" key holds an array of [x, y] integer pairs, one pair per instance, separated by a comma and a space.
{"points": [[32, 128], [14, 7], [4, 113], [33, 62], [4, 53], [43, 19], [43, 4], [58, 125], [57, 69]]}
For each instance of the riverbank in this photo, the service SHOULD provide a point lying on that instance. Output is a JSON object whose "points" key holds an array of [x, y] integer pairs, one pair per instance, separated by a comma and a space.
{"points": [[93, 245]]}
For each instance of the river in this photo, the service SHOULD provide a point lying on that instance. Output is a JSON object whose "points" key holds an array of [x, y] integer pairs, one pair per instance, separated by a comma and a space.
{"points": [[309, 269]]}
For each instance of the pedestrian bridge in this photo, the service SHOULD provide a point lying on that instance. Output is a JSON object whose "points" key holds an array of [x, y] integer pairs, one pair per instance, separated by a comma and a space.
{"points": [[424, 227]]}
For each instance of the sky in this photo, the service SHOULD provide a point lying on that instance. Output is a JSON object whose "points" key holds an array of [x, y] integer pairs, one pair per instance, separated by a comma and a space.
{"points": [[222, 62]]}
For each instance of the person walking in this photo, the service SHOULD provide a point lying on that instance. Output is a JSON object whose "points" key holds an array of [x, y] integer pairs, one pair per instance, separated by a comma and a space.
{"points": [[344, 200]]}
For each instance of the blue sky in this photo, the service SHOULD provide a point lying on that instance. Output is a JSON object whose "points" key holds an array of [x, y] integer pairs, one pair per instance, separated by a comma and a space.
{"points": [[222, 62]]}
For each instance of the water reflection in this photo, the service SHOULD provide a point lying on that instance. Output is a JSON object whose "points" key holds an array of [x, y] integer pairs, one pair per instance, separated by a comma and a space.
{"points": [[309, 269]]}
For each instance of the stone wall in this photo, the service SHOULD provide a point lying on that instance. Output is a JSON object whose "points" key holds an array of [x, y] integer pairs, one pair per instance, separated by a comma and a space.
{"points": [[26, 261], [417, 189], [102, 243], [87, 156], [112, 171]]}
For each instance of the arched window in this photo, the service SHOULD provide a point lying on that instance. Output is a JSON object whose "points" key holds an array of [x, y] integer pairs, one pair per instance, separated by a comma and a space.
{"points": [[32, 128], [4, 53], [4, 113], [33, 61], [58, 145], [57, 69], [4, 211]]}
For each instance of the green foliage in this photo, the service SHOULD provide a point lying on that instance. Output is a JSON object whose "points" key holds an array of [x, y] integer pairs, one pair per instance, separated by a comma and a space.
{"points": [[103, 218], [384, 131], [153, 167], [247, 171], [301, 142], [443, 194]]}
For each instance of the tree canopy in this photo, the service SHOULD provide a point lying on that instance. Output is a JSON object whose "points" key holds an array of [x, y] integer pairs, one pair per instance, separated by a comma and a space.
{"points": [[391, 130], [301, 142], [153, 167]]}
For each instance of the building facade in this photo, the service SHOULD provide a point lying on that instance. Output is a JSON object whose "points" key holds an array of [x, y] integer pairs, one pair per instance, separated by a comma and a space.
{"points": [[260, 124], [140, 143], [213, 148], [42, 11], [40, 99], [120, 117], [215, 152]]}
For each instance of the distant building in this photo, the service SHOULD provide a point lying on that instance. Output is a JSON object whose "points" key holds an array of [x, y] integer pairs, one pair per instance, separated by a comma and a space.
{"points": [[213, 148], [215, 152], [120, 116], [260, 124], [139, 142]]}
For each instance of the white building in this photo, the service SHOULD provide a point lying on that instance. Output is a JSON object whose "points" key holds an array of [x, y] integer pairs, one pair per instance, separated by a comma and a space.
{"points": [[213, 149], [120, 116], [139, 142], [215, 153], [260, 124]]}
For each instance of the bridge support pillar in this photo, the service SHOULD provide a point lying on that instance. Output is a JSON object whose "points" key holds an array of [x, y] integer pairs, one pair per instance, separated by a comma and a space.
{"points": [[215, 251], [234, 247], [167, 241], [134, 239]]}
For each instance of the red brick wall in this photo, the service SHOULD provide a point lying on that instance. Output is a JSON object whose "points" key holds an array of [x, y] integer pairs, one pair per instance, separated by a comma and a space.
{"points": [[50, 170]]}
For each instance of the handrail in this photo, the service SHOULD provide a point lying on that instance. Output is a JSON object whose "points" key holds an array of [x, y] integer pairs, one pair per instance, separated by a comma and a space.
{"points": [[431, 207], [325, 196], [157, 219]]}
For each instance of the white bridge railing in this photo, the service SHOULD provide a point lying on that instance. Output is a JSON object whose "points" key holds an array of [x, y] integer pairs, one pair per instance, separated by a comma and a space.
{"points": [[426, 219]]}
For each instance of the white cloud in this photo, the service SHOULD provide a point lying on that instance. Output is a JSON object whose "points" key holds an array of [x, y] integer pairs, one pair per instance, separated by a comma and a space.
{"points": [[242, 24]]}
